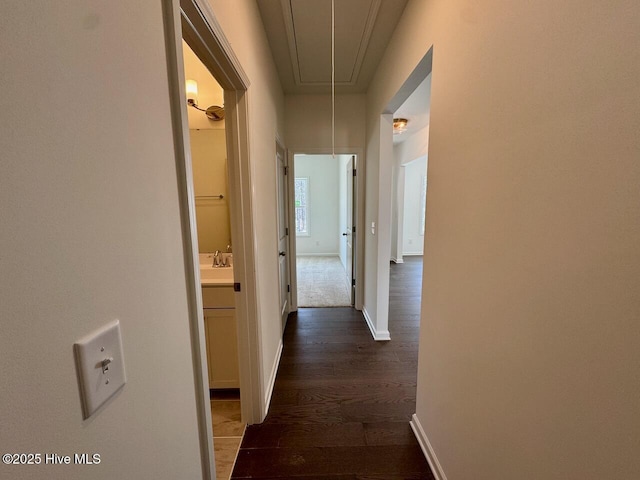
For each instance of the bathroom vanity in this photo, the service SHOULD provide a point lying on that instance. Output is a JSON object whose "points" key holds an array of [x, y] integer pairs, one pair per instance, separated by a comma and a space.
{"points": [[220, 326]]}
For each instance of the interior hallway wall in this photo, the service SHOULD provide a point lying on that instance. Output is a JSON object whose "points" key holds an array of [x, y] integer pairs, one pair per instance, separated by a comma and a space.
{"points": [[308, 122], [91, 232], [242, 25], [528, 362]]}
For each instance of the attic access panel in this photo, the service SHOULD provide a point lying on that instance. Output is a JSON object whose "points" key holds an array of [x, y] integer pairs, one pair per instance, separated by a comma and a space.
{"points": [[308, 25]]}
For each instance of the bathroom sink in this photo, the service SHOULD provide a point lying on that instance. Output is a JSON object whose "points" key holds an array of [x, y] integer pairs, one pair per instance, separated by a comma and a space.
{"points": [[216, 275]]}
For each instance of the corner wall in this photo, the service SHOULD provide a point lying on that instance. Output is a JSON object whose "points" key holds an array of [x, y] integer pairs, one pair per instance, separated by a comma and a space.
{"points": [[91, 232], [528, 363]]}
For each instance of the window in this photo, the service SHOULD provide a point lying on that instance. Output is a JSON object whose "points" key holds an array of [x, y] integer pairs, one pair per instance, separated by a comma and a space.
{"points": [[423, 203], [301, 199]]}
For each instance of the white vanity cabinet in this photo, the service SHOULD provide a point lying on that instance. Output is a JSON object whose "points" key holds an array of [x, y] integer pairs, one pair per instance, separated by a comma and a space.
{"points": [[221, 335]]}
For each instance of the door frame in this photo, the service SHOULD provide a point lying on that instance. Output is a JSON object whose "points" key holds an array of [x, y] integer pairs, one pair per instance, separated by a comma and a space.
{"points": [[194, 21], [358, 218]]}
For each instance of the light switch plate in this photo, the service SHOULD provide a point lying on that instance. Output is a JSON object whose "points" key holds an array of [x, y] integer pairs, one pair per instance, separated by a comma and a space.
{"points": [[100, 366]]}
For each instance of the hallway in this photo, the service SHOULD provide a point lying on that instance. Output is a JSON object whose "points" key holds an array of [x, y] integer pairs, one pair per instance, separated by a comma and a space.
{"points": [[342, 402]]}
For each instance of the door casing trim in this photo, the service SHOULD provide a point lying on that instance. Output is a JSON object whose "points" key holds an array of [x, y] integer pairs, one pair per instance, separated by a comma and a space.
{"points": [[359, 223]]}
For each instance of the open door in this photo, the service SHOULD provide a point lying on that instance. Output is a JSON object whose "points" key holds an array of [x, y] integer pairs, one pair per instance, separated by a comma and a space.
{"points": [[283, 232], [350, 232]]}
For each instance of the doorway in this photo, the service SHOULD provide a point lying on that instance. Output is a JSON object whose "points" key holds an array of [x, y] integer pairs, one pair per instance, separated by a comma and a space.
{"points": [[386, 227], [207, 139], [193, 22], [323, 204], [410, 203], [410, 147]]}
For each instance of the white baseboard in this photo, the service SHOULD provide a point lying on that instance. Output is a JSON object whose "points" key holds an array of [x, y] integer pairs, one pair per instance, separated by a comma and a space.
{"points": [[427, 449], [378, 336], [397, 260], [412, 254], [272, 379]]}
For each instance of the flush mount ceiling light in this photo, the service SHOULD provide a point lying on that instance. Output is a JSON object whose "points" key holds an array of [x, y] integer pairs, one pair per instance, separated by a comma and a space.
{"points": [[399, 125], [214, 112]]}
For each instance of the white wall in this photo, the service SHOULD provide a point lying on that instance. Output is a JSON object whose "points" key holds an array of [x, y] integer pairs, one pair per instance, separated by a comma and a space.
{"points": [[417, 145], [404, 153], [397, 213], [323, 207], [209, 163], [242, 26], [413, 239], [528, 363], [378, 211], [308, 122], [91, 232]]}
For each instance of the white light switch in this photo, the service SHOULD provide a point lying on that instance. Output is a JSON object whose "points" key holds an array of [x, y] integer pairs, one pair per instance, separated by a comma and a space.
{"points": [[100, 366], [373, 228]]}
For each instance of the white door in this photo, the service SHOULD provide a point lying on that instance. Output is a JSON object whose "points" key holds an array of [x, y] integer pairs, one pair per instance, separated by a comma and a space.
{"points": [[350, 232], [283, 233]]}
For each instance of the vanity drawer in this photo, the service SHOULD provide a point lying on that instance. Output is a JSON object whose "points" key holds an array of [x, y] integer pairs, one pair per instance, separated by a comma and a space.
{"points": [[218, 297]]}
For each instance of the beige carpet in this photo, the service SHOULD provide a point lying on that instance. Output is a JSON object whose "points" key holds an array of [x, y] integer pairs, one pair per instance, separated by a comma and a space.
{"points": [[322, 282]]}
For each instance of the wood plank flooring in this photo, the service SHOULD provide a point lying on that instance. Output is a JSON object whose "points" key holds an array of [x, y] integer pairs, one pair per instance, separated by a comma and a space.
{"points": [[342, 402]]}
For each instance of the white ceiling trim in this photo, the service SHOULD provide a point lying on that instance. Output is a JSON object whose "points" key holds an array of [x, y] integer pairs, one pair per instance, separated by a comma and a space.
{"points": [[364, 41], [287, 13]]}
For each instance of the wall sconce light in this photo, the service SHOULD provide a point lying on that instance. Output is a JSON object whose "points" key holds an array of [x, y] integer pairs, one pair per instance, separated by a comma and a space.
{"points": [[214, 112], [399, 125], [192, 92]]}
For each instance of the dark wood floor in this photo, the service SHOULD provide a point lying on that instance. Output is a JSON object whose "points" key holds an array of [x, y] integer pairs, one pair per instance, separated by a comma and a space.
{"points": [[342, 402]]}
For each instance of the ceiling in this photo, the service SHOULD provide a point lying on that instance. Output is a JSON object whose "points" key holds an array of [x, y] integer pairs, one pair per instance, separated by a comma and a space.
{"points": [[299, 33]]}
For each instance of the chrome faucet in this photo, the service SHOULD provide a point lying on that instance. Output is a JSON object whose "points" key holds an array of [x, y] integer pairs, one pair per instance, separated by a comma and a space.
{"points": [[216, 259]]}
